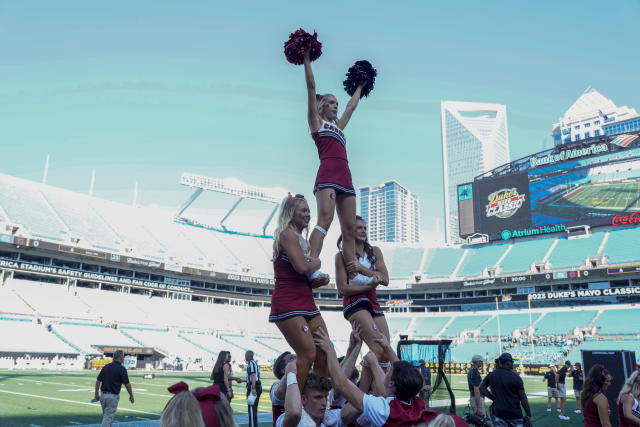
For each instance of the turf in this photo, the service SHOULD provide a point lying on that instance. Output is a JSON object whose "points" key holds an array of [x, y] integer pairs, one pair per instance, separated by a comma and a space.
{"points": [[48, 398], [590, 200]]}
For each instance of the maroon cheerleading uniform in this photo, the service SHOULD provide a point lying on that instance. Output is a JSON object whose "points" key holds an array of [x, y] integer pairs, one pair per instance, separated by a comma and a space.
{"points": [[334, 168], [367, 300], [292, 295]]}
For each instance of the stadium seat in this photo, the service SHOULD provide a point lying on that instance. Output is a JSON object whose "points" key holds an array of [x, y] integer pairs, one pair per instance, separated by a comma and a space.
{"points": [[427, 327], [404, 262], [621, 246], [22, 202], [618, 322], [523, 254], [441, 262], [28, 337], [563, 322], [478, 259], [508, 324], [85, 336], [464, 323], [464, 352], [573, 252], [40, 295]]}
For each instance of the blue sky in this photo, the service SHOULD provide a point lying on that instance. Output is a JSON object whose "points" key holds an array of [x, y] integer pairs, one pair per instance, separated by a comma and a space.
{"points": [[145, 90]]}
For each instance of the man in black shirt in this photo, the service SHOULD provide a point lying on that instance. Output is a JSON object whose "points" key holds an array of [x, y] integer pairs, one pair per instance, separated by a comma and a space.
{"points": [[254, 388], [473, 381], [578, 381], [562, 390], [507, 393], [110, 381], [552, 391]]}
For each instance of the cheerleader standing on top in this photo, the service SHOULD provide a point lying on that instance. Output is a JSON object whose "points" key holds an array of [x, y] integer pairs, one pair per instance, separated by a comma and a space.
{"points": [[333, 188], [293, 309], [360, 302]]}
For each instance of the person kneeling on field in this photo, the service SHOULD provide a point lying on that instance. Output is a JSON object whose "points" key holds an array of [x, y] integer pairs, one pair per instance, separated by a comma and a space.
{"points": [[400, 407]]}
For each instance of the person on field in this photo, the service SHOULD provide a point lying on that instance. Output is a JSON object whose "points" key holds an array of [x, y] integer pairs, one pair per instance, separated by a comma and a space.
{"points": [[108, 385]]}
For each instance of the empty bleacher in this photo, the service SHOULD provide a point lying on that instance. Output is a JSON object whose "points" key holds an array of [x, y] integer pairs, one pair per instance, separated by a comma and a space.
{"points": [[523, 254], [622, 246], [426, 327], [464, 323], [464, 352], [29, 337], [573, 252], [167, 342], [40, 297], [441, 262], [618, 322], [404, 262], [478, 259], [398, 324], [561, 322], [508, 324], [85, 336], [11, 303]]}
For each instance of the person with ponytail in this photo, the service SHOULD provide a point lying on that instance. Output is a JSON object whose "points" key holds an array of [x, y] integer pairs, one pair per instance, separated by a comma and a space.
{"points": [[628, 405], [293, 309], [360, 302], [333, 188], [595, 405]]}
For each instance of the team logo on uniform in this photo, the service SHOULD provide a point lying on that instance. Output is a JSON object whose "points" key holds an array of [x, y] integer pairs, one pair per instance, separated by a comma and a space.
{"points": [[305, 329], [504, 203]]}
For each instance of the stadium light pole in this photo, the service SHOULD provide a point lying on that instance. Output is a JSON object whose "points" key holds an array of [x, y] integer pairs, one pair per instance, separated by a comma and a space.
{"points": [[533, 349], [499, 334], [46, 170]]}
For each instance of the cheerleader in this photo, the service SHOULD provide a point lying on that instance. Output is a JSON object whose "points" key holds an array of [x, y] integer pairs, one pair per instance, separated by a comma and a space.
{"points": [[293, 309], [333, 188], [360, 302]]}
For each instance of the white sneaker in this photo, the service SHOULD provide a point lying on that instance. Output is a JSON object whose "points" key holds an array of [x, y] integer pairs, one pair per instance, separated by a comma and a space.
{"points": [[361, 280], [314, 275], [563, 417], [577, 411], [548, 409], [558, 409]]}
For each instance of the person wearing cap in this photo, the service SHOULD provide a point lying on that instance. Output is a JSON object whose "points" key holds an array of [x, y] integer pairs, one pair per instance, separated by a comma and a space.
{"points": [[507, 394], [109, 382], [474, 379]]}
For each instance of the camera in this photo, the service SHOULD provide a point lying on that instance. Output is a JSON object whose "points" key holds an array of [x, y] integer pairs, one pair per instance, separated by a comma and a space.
{"points": [[477, 420]]}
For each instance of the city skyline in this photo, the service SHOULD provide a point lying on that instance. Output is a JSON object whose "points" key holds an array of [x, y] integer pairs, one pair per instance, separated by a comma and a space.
{"points": [[146, 93]]}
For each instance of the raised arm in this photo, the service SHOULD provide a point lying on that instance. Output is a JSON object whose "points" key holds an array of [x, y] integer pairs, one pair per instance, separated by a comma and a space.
{"points": [[348, 364], [351, 107], [345, 289], [293, 400], [291, 245], [312, 111], [340, 382]]}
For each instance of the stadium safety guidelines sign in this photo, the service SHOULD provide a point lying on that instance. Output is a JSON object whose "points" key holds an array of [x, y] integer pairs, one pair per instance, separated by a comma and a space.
{"points": [[101, 277]]}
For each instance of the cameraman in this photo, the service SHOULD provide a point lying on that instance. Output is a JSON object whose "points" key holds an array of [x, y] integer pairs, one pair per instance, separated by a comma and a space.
{"points": [[474, 380], [507, 393]]}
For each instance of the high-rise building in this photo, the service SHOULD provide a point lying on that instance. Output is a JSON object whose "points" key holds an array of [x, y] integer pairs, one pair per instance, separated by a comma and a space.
{"points": [[591, 115], [475, 140], [391, 212]]}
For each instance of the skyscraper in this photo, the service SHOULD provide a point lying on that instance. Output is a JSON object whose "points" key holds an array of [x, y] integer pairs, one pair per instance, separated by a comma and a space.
{"points": [[391, 212], [475, 140], [591, 115]]}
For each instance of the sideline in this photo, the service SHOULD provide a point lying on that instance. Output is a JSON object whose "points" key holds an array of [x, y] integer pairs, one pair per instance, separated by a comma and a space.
{"points": [[75, 401]]}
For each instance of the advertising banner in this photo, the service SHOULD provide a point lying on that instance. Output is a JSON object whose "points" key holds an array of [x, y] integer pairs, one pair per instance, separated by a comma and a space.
{"points": [[503, 203]]}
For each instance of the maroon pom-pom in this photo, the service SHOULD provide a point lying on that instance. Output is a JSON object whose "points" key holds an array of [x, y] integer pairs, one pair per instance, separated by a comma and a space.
{"points": [[298, 42]]}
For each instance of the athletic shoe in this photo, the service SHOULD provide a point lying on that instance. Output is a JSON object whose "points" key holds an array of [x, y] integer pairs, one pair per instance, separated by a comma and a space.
{"points": [[361, 279], [548, 409], [577, 411], [558, 409], [563, 417]]}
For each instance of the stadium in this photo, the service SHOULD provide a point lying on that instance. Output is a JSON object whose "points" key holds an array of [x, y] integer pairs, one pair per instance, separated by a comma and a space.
{"points": [[83, 276]]}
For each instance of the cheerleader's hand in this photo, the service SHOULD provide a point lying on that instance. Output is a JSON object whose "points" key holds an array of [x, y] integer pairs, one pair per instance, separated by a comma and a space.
{"points": [[322, 341], [320, 281], [363, 83]]}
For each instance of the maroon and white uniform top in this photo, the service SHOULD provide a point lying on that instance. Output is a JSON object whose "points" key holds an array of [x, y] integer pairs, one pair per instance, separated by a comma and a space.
{"points": [[292, 295], [388, 411], [334, 167], [367, 299]]}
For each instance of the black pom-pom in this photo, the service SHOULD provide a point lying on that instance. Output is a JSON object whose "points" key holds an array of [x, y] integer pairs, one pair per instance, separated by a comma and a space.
{"points": [[361, 71], [298, 42]]}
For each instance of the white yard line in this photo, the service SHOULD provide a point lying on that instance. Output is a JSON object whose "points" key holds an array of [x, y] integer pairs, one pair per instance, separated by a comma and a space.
{"points": [[74, 401], [89, 388]]}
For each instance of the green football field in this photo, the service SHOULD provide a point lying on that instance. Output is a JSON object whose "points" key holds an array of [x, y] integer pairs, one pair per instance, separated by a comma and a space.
{"points": [[617, 196], [48, 398]]}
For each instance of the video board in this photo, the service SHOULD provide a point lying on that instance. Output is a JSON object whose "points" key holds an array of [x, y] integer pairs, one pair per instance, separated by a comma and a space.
{"points": [[595, 185]]}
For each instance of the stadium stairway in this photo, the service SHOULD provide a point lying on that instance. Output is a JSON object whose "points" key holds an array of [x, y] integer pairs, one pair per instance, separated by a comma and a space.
{"points": [[445, 326], [186, 338]]}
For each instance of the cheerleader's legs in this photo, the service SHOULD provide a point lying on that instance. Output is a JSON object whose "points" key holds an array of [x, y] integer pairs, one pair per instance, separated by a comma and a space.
{"points": [[326, 205], [370, 331], [346, 209], [298, 334]]}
